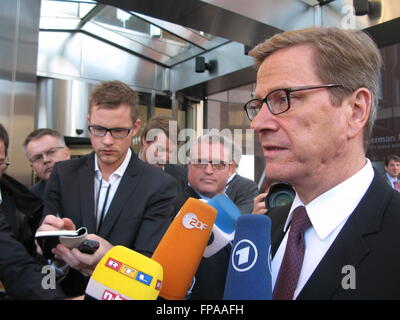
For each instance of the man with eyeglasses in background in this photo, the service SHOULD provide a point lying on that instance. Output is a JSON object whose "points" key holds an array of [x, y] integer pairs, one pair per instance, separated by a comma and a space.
{"points": [[210, 161], [120, 199], [316, 100], [43, 148]]}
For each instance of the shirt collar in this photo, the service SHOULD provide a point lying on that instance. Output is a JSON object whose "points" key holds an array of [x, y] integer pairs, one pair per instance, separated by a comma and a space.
{"points": [[117, 173], [390, 178], [231, 178], [333, 207], [202, 197]]}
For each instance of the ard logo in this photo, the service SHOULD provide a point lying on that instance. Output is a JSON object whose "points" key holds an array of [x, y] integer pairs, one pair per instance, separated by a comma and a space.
{"points": [[244, 255]]}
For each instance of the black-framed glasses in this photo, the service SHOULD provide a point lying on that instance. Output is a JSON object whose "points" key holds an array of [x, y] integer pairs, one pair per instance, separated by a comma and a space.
{"points": [[48, 153], [202, 164], [4, 165], [279, 100], [118, 133]]}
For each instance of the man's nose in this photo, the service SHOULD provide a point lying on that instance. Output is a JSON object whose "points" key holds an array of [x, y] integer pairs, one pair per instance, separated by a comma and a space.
{"points": [[264, 120], [108, 138], [209, 169], [46, 158]]}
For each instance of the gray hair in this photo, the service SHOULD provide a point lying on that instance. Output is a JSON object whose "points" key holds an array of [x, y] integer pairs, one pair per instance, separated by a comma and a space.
{"points": [[234, 152], [38, 133]]}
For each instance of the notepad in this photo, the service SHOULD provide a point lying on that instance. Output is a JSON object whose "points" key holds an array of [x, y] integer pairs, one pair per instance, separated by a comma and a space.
{"points": [[49, 239]]}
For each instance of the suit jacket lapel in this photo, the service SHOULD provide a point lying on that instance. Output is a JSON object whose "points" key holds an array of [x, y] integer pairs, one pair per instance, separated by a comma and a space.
{"points": [[278, 217], [350, 247], [86, 194], [126, 188]]}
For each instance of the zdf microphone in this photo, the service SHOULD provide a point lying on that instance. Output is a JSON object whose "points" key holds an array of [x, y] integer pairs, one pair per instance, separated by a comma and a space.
{"points": [[123, 274], [249, 271], [181, 249]]}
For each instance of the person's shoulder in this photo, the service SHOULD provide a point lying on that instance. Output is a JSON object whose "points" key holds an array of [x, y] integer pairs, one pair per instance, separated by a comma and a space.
{"points": [[152, 173], [74, 163], [394, 201], [243, 180]]}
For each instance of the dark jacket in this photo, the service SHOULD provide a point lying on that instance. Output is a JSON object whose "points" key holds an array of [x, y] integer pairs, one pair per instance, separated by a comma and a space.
{"points": [[21, 275], [22, 210], [369, 241], [139, 213]]}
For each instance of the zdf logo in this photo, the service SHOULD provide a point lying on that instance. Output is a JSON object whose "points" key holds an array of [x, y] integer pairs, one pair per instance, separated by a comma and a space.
{"points": [[191, 221]]}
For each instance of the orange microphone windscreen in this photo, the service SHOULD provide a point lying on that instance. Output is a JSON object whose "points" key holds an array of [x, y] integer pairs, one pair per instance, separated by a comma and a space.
{"points": [[182, 247]]}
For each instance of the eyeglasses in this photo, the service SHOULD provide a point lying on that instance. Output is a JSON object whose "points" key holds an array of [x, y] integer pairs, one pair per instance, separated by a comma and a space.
{"points": [[49, 153], [4, 165], [279, 100], [202, 164], [118, 133]]}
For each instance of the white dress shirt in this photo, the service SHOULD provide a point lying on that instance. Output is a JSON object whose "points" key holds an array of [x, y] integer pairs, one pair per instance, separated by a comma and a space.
{"points": [[113, 183], [391, 180], [328, 214]]}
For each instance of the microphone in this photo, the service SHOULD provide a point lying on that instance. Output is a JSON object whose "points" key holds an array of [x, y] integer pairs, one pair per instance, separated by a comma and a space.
{"points": [[249, 271], [223, 230], [182, 246], [124, 274]]}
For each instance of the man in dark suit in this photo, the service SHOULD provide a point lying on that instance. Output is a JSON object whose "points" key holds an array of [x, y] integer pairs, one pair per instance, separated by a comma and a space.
{"points": [[43, 148], [211, 158], [20, 212], [159, 148], [117, 197], [314, 109], [240, 190], [392, 168], [21, 275], [21, 209]]}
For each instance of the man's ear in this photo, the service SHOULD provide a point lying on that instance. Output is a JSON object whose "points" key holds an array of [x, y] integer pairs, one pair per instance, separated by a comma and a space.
{"points": [[360, 103], [67, 152], [136, 127]]}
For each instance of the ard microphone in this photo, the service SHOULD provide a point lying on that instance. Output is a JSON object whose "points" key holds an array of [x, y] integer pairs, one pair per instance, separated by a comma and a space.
{"points": [[123, 274], [223, 230], [181, 249], [249, 271]]}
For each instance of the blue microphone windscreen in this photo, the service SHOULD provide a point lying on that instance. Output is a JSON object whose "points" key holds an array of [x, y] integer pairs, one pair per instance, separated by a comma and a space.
{"points": [[249, 271], [228, 212]]}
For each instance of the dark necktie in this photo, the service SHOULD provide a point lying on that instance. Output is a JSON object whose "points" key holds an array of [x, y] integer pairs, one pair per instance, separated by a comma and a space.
{"points": [[396, 185], [292, 262]]}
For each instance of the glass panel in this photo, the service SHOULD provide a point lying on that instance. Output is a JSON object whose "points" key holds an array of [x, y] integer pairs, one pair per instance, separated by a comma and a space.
{"points": [[59, 9], [65, 9], [141, 31]]}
